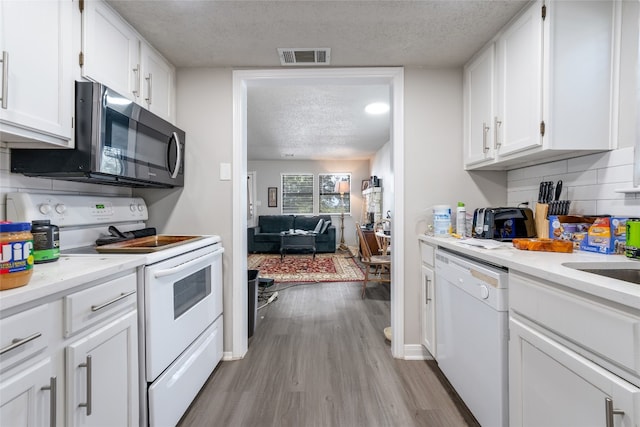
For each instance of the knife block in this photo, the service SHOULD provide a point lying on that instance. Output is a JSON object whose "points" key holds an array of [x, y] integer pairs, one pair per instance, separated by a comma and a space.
{"points": [[542, 223]]}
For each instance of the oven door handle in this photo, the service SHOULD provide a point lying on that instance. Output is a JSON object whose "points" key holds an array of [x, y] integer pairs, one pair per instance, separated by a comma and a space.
{"points": [[175, 270]]}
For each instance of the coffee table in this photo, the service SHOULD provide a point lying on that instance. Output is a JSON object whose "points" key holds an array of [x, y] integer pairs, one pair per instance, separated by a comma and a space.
{"points": [[294, 241]]}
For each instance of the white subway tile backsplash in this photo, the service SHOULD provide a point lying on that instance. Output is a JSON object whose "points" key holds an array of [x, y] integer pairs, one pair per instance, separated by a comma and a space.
{"points": [[537, 171], [615, 174], [620, 157], [588, 181]]}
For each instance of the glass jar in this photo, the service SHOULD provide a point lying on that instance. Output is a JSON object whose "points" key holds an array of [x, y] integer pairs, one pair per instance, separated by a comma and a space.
{"points": [[16, 254]]}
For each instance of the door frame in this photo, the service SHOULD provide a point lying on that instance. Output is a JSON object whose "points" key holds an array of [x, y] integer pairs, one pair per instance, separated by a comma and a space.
{"points": [[394, 77]]}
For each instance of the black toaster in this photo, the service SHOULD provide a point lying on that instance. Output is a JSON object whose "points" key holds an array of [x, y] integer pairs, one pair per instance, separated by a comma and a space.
{"points": [[503, 224]]}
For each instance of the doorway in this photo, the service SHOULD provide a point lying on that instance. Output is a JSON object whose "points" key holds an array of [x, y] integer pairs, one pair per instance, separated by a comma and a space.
{"points": [[244, 79]]}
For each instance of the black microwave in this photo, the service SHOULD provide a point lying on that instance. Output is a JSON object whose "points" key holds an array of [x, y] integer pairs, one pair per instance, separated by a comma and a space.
{"points": [[117, 142]]}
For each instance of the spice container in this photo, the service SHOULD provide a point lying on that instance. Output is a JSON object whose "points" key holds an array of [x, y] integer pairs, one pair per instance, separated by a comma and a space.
{"points": [[46, 241], [16, 254]]}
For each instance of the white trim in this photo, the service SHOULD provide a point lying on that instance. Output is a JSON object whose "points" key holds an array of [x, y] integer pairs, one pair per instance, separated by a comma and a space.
{"points": [[416, 352], [393, 76]]}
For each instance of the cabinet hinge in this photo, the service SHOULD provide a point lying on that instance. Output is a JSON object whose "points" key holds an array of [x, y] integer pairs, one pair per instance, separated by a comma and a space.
{"points": [[81, 5], [544, 11], [542, 128], [81, 59]]}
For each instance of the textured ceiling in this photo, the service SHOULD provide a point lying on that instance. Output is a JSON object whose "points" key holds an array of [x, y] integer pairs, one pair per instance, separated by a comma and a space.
{"points": [[238, 33]]}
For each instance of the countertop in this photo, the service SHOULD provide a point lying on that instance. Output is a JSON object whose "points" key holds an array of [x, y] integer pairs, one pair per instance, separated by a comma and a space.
{"points": [[65, 274], [549, 266]]}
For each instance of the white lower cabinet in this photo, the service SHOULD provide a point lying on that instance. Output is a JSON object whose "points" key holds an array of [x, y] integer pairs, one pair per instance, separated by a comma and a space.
{"points": [[550, 385], [427, 310], [102, 376], [568, 365], [428, 299], [72, 360], [28, 397]]}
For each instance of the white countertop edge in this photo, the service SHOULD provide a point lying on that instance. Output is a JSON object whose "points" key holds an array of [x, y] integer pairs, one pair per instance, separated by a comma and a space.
{"points": [[548, 266], [65, 274]]}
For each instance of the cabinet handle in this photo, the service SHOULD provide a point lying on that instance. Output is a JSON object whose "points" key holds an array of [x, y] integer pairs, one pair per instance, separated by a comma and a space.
{"points": [[427, 291], [17, 342], [5, 78], [87, 405], [149, 86], [610, 412], [53, 397], [497, 125], [116, 299], [136, 71], [485, 129]]}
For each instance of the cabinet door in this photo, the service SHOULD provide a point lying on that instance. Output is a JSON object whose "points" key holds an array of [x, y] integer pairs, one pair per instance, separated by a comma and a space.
{"points": [[427, 311], [111, 50], [550, 385], [479, 92], [28, 397], [102, 371], [157, 83], [520, 83], [37, 90]]}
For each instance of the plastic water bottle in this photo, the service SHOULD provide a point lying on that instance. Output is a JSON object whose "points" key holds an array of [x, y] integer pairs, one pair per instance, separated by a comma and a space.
{"points": [[441, 220], [461, 219]]}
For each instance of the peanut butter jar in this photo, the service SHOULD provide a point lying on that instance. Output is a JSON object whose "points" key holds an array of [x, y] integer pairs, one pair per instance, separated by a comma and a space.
{"points": [[16, 254]]}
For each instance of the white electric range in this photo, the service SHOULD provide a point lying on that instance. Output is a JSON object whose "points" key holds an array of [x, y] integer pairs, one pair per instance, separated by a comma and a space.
{"points": [[180, 319]]}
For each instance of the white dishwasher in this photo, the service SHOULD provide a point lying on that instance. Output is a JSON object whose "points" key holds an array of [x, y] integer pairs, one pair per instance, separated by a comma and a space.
{"points": [[472, 334]]}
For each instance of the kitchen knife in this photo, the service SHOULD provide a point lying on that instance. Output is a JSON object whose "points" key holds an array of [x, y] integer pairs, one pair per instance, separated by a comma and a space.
{"points": [[558, 190], [541, 192]]}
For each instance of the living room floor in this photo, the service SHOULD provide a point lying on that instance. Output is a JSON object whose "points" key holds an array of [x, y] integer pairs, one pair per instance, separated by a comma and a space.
{"points": [[318, 357]]}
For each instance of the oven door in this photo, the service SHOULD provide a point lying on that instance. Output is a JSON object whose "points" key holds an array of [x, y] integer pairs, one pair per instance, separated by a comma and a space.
{"points": [[183, 296]]}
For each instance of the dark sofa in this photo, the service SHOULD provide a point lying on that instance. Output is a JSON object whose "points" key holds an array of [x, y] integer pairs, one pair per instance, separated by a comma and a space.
{"points": [[265, 237]]}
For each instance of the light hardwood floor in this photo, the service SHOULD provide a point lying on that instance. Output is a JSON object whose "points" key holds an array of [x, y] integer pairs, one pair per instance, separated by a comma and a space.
{"points": [[318, 357]]}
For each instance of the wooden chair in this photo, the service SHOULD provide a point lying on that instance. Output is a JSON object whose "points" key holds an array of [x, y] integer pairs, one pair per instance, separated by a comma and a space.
{"points": [[381, 263]]}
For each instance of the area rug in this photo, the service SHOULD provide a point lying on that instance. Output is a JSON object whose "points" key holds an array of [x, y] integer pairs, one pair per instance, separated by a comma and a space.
{"points": [[303, 268]]}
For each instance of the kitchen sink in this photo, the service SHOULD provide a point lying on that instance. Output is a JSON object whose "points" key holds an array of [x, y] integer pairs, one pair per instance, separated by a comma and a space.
{"points": [[625, 271]]}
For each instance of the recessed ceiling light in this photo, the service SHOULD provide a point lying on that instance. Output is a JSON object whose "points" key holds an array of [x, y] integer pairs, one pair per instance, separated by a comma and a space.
{"points": [[377, 108]]}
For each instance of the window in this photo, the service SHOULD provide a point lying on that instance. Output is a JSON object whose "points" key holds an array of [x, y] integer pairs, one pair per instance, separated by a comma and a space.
{"points": [[297, 194], [330, 201]]}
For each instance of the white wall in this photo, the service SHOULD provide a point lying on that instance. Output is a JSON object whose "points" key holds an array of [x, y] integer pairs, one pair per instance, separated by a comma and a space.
{"points": [[382, 167], [203, 205], [268, 175], [433, 170]]}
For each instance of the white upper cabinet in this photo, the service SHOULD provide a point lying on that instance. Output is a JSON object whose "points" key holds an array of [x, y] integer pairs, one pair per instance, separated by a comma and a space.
{"points": [[115, 55], [479, 93], [158, 86], [111, 50], [37, 81], [519, 76], [554, 86]]}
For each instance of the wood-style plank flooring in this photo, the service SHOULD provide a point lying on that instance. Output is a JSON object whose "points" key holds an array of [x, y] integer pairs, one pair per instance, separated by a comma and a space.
{"points": [[318, 357]]}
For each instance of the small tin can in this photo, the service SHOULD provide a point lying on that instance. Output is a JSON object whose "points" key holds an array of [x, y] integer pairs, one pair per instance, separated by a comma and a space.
{"points": [[46, 241]]}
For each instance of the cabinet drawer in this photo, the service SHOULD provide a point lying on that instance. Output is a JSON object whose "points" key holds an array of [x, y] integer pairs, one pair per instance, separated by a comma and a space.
{"points": [[426, 253], [25, 334], [85, 308], [604, 330]]}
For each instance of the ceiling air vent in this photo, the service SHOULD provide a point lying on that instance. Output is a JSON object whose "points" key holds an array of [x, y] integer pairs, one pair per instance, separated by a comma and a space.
{"points": [[304, 56]]}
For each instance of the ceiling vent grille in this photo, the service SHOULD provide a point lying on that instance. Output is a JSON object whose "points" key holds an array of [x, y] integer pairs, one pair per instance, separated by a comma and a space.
{"points": [[304, 56]]}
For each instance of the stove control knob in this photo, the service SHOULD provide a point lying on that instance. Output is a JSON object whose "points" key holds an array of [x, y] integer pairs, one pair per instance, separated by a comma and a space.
{"points": [[140, 207], [61, 208], [484, 292], [45, 208], [132, 207]]}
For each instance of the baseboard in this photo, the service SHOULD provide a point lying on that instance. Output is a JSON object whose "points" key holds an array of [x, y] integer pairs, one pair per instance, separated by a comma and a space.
{"points": [[416, 352], [228, 356]]}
